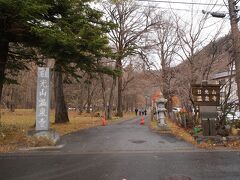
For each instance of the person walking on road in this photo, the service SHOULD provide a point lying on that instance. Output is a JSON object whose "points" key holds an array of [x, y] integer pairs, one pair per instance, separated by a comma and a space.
{"points": [[140, 112], [145, 112], [136, 111]]}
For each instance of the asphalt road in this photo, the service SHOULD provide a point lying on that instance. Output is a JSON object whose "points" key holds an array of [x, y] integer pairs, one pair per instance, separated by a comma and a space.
{"points": [[121, 151]]}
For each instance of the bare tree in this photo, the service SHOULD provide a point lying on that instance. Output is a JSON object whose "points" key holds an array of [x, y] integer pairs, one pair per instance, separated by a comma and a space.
{"points": [[108, 84], [229, 101], [165, 43], [76, 96], [23, 94], [193, 38], [132, 23]]}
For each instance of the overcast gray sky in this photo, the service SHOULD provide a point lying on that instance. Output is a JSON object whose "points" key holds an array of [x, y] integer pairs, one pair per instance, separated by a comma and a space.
{"points": [[190, 11]]}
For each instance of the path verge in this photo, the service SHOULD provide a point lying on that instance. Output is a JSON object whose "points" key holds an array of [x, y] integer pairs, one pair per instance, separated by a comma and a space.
{"points": [[185, 135], [14, 128]]}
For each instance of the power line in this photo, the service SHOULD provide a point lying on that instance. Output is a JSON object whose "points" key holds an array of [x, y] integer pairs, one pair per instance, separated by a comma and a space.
{"points": [[181, 2], [177, 9], [172, 8]]}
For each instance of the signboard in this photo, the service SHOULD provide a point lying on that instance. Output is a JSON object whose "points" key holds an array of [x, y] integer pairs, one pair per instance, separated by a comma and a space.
{"points": [[43, 99], [208, 112], [208, 95]]}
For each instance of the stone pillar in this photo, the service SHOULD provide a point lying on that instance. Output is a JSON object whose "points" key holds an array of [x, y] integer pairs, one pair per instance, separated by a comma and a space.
{"points": [[161, 112], [43, 99], [43, 107]]}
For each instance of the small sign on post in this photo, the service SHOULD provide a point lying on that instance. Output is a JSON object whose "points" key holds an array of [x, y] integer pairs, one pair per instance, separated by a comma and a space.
{"points": [[43, 99], [206, 95]]}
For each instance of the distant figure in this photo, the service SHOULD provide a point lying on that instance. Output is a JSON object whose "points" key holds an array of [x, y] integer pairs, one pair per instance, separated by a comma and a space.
{"points": [[145, 112], [136, 111], [140, 113]]}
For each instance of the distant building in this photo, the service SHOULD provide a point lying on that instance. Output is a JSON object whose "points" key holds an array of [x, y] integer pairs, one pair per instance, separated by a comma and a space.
{"points": [[227, 78]]}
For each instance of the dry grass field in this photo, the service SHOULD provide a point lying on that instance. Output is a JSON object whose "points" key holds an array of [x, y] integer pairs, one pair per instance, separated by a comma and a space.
{"points": [[15, 125]]}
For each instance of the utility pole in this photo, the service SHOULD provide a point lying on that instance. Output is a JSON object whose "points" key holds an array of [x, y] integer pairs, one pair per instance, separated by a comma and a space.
{"points": [[235, 37]]}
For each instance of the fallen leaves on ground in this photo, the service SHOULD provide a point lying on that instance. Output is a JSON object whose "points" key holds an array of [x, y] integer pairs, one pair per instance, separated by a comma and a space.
{"points": [[35, 141], [11, 137], [233, 144], [180, 132], [154, 125], [183, 134]]}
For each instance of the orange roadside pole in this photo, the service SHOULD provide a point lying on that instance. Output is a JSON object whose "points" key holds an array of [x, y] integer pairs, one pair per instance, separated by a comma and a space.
{"points": [[104, 122], [142, 121]]}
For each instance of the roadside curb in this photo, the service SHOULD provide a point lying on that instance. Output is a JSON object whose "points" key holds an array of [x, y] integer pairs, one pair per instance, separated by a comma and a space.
{"points": [[60, 146]]}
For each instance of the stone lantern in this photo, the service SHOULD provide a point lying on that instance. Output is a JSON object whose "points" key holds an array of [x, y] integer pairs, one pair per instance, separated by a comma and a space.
{"points": [[161, 112]]}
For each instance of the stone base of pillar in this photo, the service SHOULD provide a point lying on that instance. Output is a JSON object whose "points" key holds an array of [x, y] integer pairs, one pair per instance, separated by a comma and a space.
{"points": [[51, 134], [163, 127]]}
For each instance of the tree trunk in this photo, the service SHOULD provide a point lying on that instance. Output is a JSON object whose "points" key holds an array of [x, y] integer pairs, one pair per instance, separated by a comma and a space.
{"points": [[12, 106], [80, 103], [61, 113], [103, 94], [235, 35], [88, 97], [165, 83], [120, 84], [110, 102], [4, 45], [127, 104]]}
